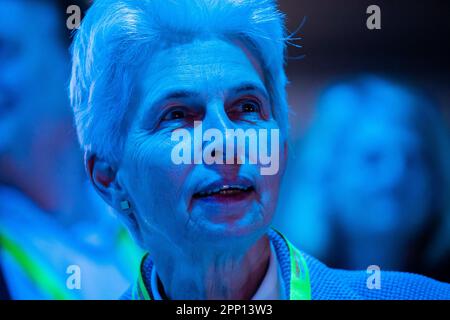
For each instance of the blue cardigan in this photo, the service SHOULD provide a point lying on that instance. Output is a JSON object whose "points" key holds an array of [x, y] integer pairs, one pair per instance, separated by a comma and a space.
{"points": [[333, 284]]}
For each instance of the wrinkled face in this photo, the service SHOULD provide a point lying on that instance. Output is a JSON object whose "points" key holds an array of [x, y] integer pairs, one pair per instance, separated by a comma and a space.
{"points": [[33, 71], [221, 85], [383, 182]]}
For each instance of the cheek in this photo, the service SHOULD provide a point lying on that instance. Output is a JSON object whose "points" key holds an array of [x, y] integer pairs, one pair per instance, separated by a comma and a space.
{"points": [[270, 185], [155, 182], [271, 190]]}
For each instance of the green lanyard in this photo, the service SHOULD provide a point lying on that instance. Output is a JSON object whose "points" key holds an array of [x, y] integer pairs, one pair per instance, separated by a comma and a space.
{"points": [[139, 291], [39, 274], [129, 254], [300, 283], [300, 286]]}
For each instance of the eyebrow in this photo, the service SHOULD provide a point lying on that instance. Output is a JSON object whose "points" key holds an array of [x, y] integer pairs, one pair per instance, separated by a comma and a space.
{"points": [[183, 94], [246, 87], [250, 87], [179, 94]]}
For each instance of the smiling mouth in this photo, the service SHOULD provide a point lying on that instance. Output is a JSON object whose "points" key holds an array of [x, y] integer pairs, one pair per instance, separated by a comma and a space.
{"points": [[225, 192]]}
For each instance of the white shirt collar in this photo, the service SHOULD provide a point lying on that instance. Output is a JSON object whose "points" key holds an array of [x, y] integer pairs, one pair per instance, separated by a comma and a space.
{"points": [[271, 286]]}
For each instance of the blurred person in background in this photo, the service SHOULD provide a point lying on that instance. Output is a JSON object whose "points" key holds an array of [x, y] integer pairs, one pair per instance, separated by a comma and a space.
{"points": [[52, 226], [371, 180]]}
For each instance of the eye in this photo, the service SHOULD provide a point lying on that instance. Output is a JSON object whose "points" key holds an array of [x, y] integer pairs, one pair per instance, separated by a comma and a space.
{"points": [[248, 109], [174, 114], [249, 106]]}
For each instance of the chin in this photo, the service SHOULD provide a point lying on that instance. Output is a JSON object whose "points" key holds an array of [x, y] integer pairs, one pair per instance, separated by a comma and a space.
{"points": [[220, 230]]}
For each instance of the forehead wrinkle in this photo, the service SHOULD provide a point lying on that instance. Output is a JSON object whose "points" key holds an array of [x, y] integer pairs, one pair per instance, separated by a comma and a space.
{"points": [[175, 68]]}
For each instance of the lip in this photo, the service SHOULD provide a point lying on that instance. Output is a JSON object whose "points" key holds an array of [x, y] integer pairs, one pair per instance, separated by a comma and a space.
{"points": [[224, 190]]}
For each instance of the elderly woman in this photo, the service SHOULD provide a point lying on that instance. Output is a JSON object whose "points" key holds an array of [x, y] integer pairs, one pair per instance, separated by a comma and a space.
{"points": [[145, 70]]}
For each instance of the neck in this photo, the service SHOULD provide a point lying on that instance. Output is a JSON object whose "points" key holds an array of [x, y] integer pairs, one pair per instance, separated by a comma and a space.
{"points": [[214, 275]]}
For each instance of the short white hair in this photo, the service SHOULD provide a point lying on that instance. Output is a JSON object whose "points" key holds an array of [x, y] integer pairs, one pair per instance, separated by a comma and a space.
{"points": [[117, 35]]}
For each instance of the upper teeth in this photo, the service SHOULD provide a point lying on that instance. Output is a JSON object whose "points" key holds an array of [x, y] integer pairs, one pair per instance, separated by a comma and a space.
{"points": [[224, 190]]}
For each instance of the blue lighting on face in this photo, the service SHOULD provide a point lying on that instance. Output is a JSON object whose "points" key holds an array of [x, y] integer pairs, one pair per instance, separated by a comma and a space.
{"points": [[205, 81]]}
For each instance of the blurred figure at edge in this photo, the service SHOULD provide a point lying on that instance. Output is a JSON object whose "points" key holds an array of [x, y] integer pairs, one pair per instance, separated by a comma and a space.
{"points": [[57, 241], [371, 180]]}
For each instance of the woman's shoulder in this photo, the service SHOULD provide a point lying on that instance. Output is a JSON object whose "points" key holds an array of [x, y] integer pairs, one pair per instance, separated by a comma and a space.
{"points": [[373, 283]]}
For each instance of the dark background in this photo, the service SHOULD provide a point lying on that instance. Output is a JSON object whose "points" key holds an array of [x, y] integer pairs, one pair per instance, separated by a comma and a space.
{"points": [[412, 46]]}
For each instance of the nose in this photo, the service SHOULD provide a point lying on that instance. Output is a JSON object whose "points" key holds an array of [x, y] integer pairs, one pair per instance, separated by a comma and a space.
{"points": [[218, 125]]}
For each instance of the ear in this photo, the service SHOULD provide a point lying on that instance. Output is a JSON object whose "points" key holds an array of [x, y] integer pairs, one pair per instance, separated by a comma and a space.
{"points": [[103, 176]]}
